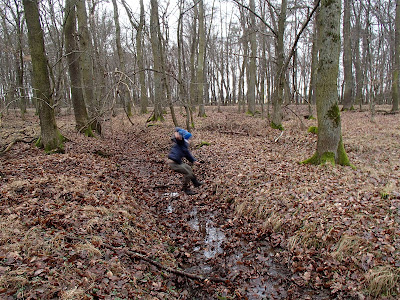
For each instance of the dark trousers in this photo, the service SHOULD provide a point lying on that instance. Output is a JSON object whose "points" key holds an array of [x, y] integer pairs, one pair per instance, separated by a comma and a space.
{"points": [[184, 169]]}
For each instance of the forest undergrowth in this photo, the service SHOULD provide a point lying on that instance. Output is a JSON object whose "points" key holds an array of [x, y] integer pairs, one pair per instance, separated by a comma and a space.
{"points": [[107, 219]]}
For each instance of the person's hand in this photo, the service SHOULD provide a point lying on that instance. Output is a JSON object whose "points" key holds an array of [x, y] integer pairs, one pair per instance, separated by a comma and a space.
{"points": [[177, 135], [197, 163]]}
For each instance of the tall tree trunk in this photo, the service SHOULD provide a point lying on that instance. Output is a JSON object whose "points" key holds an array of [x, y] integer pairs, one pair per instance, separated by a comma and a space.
{"points": [[124, 93], [71, 46], [280, 73], [330, 148], [252, 72], [201, 60], [347, 58], [158, 72], [144, 101], [50, 137], [357, 55], [19, 61], [314, 65], [86, 62], [396, 61], [193, 48]]}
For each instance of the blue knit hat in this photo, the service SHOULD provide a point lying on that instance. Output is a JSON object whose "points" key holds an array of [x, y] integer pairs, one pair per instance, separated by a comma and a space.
{"points": [[184, 133]]}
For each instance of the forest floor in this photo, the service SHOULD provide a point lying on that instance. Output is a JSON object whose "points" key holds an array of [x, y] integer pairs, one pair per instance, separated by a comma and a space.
{"points": [[107, 219]]}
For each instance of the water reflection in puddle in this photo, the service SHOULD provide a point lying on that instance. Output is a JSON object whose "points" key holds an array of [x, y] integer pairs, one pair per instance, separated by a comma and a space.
{"points": [[213, 236]]}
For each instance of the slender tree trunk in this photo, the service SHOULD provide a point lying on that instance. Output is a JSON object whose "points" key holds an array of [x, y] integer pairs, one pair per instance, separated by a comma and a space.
{"points": [[314, 65], [80, 112], [252, 72], [123, 87], [347, 58], [330, 148], [87, 65], [19, 61], [50, 137], [201, 61], [156, 46], [144, 101], [357, 63], [280, 73], [396, 61]]}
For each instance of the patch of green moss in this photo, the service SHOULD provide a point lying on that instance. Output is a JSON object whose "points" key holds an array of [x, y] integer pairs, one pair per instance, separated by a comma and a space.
{"points": [[54, 146], [249, 113], [276, 126], [88, 132], [328, 158], [313, 160], [325, 158], [334, 114], [313, 129], [342, 158]]}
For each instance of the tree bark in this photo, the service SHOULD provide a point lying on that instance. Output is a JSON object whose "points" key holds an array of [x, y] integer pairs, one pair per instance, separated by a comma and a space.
{"points": [[347, 58], [330, 148], [314, 65], [396, 61], [357, 58], [158, 72], [123, 90], [252, 72], [201, 61], [86, 63], [71, 46], [50, 137], [280, 73]]}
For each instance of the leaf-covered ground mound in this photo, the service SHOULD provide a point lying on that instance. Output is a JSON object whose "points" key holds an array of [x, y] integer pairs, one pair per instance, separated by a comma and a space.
{"points": [[107, 219]]}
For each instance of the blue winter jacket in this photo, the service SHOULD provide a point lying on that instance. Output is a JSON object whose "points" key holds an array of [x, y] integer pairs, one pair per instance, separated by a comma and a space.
{"points": [[179, 151]]}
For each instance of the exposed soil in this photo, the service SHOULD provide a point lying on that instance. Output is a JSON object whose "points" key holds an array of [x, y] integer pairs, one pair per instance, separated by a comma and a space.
{"points": [[107, 219]]}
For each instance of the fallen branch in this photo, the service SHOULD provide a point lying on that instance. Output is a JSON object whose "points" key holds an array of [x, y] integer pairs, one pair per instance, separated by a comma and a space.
{"points": [[277, 139], [135, 255], [9, 146]]}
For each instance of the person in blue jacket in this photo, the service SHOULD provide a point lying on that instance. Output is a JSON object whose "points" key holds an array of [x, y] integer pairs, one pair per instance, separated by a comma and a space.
{"points": [[180, 150]]}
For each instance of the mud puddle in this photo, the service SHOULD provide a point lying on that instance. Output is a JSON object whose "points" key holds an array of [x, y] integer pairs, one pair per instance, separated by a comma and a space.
{"points": [[256, 273]]}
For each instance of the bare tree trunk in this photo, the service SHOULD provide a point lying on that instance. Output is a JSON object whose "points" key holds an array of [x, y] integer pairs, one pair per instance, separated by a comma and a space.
{"points": [[144, 99], [314, 65], [86, 48], [80, 112], [158, 72], [124, 93], [280, 73], [347, 58], [251, 89], [201, 61], [396, 61], [330, 148], [357, 55], [50, 137]]}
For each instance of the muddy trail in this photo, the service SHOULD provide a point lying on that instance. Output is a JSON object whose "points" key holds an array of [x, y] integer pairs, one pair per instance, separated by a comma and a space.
{"points": [[108, 219], [232, 252]]}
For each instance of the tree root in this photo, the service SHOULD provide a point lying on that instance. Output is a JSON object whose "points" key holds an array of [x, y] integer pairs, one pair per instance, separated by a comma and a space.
{"points": [[9, 146]]}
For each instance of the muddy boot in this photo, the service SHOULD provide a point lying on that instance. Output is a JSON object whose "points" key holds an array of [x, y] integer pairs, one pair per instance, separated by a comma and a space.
{"points": [[188, 191], [196, 183]]}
